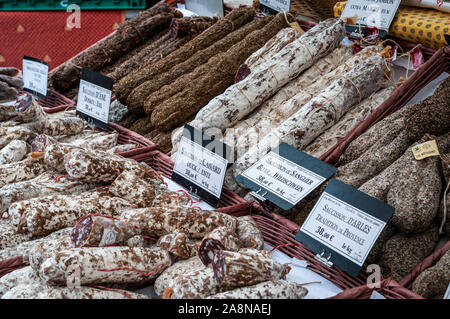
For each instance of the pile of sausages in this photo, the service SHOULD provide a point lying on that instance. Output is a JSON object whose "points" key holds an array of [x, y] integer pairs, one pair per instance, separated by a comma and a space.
{"points": [[186, 252], [193, 254], [85, 219]]}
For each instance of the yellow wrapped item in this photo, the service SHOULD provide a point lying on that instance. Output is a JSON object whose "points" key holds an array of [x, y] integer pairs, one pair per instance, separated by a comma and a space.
{"points": [[418, 25]]}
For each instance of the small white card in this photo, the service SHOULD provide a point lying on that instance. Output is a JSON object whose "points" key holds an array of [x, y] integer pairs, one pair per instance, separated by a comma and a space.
{"points": [[35, 76], [343, 228], [277, 5], [94, 97], [372, 13], [283, 177], [200, 170], [94, 101]]}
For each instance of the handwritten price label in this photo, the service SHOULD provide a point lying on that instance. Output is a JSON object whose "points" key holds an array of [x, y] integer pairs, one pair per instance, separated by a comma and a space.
{"points": [[425, 150]]}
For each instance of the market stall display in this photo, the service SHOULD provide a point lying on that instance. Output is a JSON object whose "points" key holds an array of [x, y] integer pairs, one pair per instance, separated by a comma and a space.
{"points": [[88, 213]]}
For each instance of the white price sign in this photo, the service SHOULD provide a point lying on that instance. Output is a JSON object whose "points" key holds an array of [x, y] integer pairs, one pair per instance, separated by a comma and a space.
{"points": [[447, 293], [201, 165], [277, 5], [283, 177], [372, 13], [35, 76], [94, 100], [343, 227], [94, 97]]}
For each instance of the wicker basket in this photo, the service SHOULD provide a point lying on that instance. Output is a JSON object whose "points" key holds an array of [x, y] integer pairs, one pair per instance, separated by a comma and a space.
{"points": [[277, 230], [129, 137], [319, 10], [428, 262], [230, 203], [439, 63], [126, 136], [54, 101], [388, 288]]}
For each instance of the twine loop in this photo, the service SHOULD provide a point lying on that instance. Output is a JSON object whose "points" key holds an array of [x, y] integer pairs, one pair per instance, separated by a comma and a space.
{"points": [[232, 23]]}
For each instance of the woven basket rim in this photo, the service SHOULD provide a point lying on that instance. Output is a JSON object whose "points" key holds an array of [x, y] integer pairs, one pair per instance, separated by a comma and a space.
{"points": [[388, 288], [428, 262]]}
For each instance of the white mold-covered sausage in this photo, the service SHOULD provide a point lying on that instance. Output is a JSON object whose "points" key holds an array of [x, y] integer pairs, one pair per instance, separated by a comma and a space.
{"points": [[194, 222], [23, 276], [178, 244], [24, 248], [221, 238], [235, 269], [15, 151], [196, 284], [248, 233], [41, 186], [243, 97], [101, 231], [273, 289], [57, 212], [11, 133], [134, 189], [180, 268], [21, 171], [42, 250], [9, 236], [39, 291], [28, 110], [90, 167], [97, 265]]}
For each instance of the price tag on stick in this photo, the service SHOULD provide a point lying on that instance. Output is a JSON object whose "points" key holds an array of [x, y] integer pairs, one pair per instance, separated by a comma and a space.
{"points": [[344, 225], [285, 176], [94, 98], [201, 164], [35, 76]]}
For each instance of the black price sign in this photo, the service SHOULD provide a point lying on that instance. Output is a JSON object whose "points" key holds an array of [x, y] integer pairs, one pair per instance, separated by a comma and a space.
{"points": [[201, 164], [94, 98], [344, 225], [285, 176]]}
